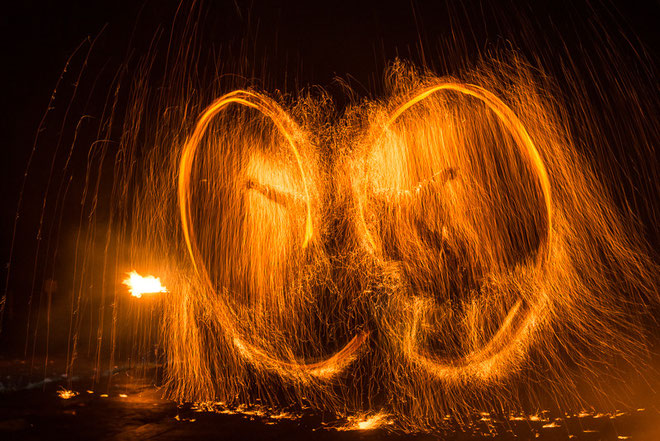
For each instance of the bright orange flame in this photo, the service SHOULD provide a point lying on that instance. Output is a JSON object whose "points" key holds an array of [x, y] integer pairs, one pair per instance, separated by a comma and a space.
{"points": [[138, 285]]}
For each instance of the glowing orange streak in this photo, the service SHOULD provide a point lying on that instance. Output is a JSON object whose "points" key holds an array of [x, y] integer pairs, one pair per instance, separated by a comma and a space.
{"points": [[270, 109], [322, 369], [485, 363], [510, 120], [509, 340], [265, 106]]}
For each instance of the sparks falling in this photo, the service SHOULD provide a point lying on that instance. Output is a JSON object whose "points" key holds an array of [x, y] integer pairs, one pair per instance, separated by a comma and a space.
{"points": [[139, 285], [455, 233], [446, 247]]}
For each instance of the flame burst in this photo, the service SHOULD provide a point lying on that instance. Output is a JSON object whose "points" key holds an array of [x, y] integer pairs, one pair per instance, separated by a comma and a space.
{"points": [[139, 285]]}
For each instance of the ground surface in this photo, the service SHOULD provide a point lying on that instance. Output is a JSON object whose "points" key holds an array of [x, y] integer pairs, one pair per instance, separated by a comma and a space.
{"points": [[125, 407]]}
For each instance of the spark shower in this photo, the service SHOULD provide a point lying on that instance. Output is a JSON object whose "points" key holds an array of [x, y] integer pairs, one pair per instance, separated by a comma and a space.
{"points": [[444, 248], [446, 243]]}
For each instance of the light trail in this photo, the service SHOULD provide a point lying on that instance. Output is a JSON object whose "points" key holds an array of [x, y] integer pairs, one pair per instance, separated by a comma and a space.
{"points": [[257, 356], [515, 331]]}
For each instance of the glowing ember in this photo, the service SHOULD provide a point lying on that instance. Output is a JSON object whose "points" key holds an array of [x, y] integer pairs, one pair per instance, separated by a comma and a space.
{"points": [[138, 285], [66, 394], [367, 422]]}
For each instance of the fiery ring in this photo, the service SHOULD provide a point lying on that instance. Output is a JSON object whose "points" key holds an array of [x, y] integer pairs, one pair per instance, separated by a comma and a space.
{"points": [[322, 369], [513, 336]]}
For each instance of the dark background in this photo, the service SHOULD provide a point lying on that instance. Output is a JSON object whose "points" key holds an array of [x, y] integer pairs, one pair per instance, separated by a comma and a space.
{"points": [[290, 46]]}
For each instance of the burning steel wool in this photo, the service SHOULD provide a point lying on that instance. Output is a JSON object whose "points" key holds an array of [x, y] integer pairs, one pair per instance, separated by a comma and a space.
{"points": [[446, 249], [437, 246]]}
